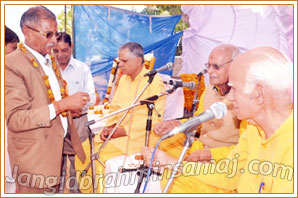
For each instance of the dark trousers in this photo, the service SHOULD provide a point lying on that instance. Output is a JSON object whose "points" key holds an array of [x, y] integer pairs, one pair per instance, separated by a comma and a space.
{"points": [[68, 182], [68, 173]]}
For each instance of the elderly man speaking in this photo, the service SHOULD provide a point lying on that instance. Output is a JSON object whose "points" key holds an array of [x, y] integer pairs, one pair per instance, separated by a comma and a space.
{"points": [[262, 162]]}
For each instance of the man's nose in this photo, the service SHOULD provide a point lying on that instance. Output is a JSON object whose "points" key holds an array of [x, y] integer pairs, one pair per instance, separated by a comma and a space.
{"points": [[59, 54], [210, 69], [53, 39]]}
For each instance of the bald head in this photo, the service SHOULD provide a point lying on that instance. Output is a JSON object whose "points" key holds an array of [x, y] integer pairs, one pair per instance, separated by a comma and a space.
{"points": [[262, 88], [227, 50], [267, 66], [219, 62], [34, 15]]}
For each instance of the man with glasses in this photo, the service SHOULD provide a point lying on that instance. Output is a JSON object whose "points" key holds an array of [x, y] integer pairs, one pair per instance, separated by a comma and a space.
{"points": [[217, 137], [263, 160], [38, 109]]}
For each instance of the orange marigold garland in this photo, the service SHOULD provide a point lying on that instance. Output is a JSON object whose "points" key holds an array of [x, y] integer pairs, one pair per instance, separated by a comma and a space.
{"points": [[149, 61], [201, 87], [190, 94], [110, 83], [34, 63], [63, 90]]}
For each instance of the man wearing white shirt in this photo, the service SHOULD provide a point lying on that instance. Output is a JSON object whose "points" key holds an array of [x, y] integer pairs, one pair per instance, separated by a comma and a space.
{"points": [[78, 77], [38, 110]]}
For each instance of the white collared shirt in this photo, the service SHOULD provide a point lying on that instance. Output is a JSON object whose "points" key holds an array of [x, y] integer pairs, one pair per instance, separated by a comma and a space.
{"points": [[78, 77], [53, 83]]}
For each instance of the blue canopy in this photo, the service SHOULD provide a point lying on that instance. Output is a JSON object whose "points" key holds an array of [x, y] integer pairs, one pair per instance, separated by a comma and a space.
{"points": [[100, 30]]}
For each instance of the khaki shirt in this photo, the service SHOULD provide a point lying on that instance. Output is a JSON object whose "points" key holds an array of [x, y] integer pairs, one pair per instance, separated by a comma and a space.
{"points": [[218, 132]]}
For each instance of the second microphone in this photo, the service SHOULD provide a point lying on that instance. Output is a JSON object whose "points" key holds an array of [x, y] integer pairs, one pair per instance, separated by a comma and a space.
{"points": [[178, 83]]}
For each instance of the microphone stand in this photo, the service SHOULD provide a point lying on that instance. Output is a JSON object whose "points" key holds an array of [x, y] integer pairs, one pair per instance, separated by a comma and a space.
{"points": [[195, 100], [92, 158], [93, 155], [143, 170], [187, 144]]}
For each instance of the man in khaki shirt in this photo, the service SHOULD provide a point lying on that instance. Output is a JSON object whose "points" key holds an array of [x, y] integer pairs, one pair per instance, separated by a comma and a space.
{"points": [[220, 134], [263, 160]]}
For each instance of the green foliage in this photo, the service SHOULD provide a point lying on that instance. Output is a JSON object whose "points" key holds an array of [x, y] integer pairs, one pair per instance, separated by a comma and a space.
{"points": [[168, 10], [61, 21]]}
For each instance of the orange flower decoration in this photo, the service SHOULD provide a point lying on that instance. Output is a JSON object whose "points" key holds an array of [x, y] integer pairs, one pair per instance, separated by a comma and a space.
{"points": [[46, 81], [112, 76], [64, 92], [98, 112], [22, 48], [105, 100], [64, 114], [190, 94], [34, 63], [109, 90], [113, 70]]}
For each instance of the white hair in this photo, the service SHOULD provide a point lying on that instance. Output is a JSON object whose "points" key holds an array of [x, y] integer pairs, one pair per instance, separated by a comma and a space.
{"points": [[273, 71]]}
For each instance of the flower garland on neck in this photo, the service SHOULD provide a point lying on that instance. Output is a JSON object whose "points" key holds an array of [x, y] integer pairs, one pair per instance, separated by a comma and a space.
{"points": [[63, 90], [148, 64], [110, 83]]}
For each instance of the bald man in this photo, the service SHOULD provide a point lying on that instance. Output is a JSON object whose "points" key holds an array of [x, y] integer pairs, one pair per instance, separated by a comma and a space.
{"points": [[262, 161], [217, 137]]}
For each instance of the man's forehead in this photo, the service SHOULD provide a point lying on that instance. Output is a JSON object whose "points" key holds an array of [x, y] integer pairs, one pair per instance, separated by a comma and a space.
{"points": [[219, 56], [236, 73], [62, 44], [48, 22], [234, 80], [127, 53]]}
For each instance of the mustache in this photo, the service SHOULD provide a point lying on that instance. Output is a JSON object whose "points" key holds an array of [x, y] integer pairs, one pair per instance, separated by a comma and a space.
{"points": [[50, 44]]}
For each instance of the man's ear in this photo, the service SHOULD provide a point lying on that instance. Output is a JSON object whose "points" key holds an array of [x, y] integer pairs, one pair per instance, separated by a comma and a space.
{"points": [[25, 31], [259, 94], [140, 60]]}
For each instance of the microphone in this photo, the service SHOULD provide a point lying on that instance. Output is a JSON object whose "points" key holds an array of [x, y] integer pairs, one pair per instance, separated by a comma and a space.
{"points": [[217, 110], [177, 83], [168, 66], [202, 72]]}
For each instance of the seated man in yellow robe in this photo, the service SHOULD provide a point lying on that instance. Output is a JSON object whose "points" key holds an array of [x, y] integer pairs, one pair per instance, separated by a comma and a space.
{"points": [[217, 137], [261, 83], [129, 138]]}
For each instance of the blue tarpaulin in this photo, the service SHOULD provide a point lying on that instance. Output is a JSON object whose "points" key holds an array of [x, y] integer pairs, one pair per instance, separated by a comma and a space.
{"points": [[100, 30]]}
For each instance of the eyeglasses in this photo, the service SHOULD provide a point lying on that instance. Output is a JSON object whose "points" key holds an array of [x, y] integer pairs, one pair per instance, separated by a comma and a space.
{"points": [[216, 66], [48, 35]]}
